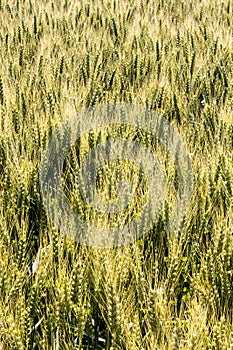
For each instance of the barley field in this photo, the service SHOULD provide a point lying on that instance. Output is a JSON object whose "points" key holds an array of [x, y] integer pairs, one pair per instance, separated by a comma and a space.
{"points": [[166, 290]]}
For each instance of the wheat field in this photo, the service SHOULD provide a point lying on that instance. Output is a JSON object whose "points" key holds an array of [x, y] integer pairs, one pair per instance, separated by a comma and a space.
{"points": [[166, 290]]}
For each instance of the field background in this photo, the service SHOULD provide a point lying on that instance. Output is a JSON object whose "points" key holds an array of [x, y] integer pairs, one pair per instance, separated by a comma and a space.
{"points": [[165, 291]]}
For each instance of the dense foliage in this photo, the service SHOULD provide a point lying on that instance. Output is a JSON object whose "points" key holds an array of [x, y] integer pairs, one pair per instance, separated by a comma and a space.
{"points": [[167, 290]]}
